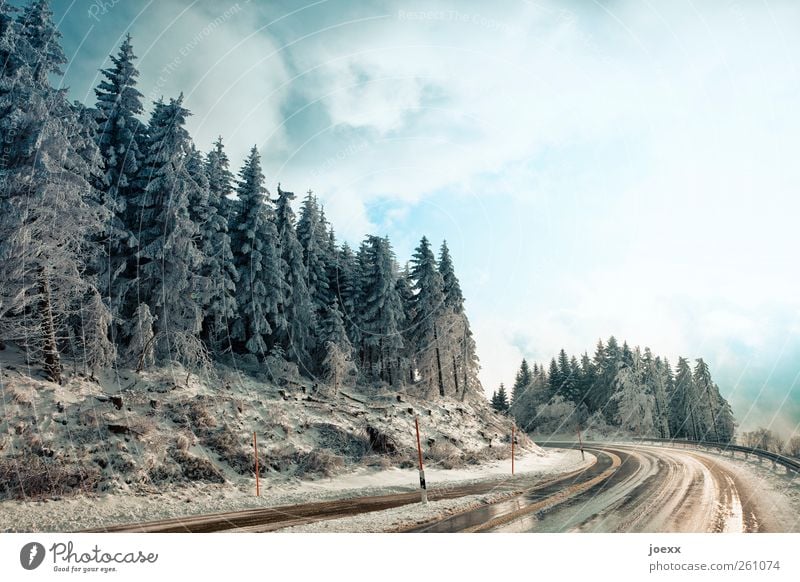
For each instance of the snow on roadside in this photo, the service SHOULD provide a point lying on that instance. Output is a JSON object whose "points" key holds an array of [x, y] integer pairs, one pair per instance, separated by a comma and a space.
{"points": [[554, 461], [398, 518], [777, 490], [93, 512], [406, 516]]}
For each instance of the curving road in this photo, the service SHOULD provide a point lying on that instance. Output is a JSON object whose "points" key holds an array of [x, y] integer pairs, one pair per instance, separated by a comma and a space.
{"points": [[629, 489]]}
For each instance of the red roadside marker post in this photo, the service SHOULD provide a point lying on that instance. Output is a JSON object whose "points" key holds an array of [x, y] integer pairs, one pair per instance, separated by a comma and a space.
{"points": [[422, 485], [255, 449], [512, 447], [580, 441]]}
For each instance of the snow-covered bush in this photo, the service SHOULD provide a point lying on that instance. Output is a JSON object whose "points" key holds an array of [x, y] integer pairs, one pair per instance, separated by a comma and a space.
{"points": [[555, 417], [318, 462], [447, 455], [32, 477]]}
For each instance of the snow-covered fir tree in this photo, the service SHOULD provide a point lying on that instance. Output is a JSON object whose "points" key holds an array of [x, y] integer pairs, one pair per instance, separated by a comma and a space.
{"points": [[380, 312], [683, 421], [659, 379], [429, 312], [500, 399], [635, 401], [217, 273], [314, 240], [119, 132], [345, 284], [522, 382], [168, 260], [221, 182], [403, 284], [296, 330], [706, 399], [255, 251], [457, 340]]}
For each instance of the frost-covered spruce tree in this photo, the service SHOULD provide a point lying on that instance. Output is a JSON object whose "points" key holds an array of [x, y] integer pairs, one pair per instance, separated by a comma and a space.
{"points": [[522, 382], [587, 378], [168, 260], [345, 286], [658, 378], [405, 359], [221, 183], [296, 332], [380, 311], [682, 417], [335, 351], [254, 240], [313, 238], [726, 424], [217, 270], [500, 399], [48, 302], [608, 369], [118, 134], [535, 393], [567, 380], [635, 402], [707, 400], [460, 343], [429, 312]]}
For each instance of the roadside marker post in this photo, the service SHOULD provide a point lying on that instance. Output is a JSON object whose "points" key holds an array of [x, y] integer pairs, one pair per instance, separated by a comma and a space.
{"points": [[512, 447], [422, 485], [255, 449], [580, 441]]}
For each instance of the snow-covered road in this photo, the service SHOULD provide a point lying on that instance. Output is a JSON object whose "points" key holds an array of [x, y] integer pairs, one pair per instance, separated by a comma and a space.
{"points": [[638, 489]]}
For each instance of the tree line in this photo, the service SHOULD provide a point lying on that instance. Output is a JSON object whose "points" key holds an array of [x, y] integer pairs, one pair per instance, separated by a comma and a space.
{"points": [[630, 389], [767, 440], [122, 243]]}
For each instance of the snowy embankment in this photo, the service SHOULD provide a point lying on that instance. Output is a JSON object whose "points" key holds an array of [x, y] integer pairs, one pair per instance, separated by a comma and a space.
{"points": [[133, 447], [91, 512]]}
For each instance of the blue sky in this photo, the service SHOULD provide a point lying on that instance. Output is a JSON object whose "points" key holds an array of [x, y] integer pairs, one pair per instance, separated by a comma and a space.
{"points": [[597, 168]]}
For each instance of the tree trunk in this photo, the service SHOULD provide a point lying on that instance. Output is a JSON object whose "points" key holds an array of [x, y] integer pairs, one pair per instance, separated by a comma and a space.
{"points": [[466, 361], [438, 362], [384, 372], [694, 424], [455, 373], [52, 359]]}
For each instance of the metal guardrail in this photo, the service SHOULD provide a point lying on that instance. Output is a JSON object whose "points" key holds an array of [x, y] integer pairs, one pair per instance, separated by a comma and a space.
{"points": [[789, 463]]}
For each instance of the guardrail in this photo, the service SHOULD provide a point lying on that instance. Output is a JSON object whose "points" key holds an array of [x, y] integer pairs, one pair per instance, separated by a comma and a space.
{"points": [[789, 463]]}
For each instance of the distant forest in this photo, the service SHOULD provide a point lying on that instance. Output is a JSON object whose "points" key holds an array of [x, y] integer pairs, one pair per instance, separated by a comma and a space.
{"points": [[623, 388]]}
